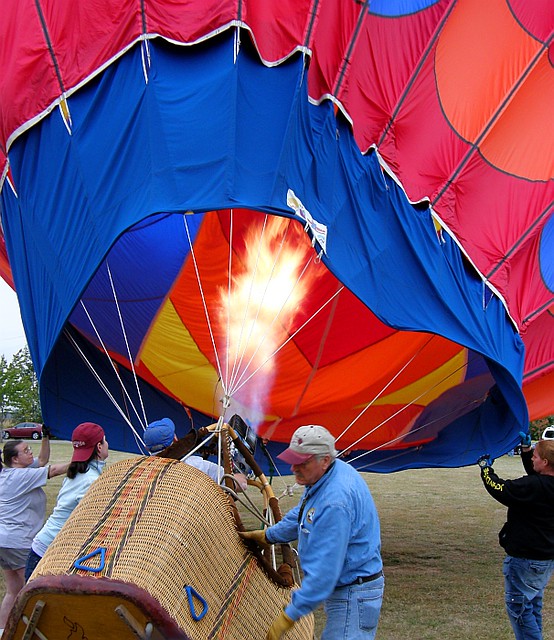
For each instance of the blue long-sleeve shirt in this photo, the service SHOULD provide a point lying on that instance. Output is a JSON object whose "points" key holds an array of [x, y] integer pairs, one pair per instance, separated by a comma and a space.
{"points": [[338, 532]]}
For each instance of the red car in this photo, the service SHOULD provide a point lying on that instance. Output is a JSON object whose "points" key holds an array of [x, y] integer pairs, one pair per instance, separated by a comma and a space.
{"points": [[23, 430]]}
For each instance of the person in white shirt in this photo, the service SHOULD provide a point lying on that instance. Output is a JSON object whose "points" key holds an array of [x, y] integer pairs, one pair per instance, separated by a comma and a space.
{"points": [[22, 509], [161, 433]]}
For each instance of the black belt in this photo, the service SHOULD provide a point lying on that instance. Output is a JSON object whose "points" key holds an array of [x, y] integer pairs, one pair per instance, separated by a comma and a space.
{"points": [[362, 579]]}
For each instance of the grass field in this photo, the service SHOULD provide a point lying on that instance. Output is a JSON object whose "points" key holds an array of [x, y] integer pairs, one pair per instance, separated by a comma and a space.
{"points": [[443, 565]]}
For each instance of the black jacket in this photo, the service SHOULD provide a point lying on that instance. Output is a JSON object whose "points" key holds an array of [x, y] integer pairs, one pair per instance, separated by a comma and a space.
{"points": [[529, 530]]}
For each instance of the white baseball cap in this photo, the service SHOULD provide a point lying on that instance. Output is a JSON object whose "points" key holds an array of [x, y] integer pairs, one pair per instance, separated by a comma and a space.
{"points": [[307, 441]]}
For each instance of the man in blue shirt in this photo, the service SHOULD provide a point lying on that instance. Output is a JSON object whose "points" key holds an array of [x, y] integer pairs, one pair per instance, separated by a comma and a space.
{"points": [[339, 541]]}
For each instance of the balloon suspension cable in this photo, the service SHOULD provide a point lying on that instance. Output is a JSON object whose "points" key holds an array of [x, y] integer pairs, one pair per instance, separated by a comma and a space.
{"points": [[406, 406], [115, 369], [237, 361], [291, 337], [229, 287], [422, 426], [315, 364], [380, 393], [246, 501], [221, 430], [138, 438], [129, 356], [203, 297], [238, 365], [199, 446]]}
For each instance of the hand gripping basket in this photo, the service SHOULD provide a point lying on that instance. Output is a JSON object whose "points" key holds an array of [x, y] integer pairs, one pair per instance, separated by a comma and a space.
{"points": [[151, 552]]}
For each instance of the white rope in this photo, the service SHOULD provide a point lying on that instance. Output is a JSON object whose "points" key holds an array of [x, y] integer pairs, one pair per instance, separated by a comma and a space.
{"points": [[370, 404], [246, 501], [198, 446], [116, 371], [229, 281], [237, 360], [423, 393], [129, 356], [105, 389], [237, 383], [291, 337], [315, 365], [203, 297], [423, 426], [398, 454]]}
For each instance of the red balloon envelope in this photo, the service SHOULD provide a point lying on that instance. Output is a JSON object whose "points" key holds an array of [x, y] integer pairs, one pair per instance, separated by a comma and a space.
{"points": [[334, 213]]}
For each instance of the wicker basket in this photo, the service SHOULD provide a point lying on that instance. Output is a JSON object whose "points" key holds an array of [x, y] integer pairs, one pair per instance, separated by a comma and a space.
{"points": [[152, 551]]}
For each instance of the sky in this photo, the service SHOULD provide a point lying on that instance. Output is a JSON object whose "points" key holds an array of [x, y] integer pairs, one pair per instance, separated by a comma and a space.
{"points": [[12, 335]]}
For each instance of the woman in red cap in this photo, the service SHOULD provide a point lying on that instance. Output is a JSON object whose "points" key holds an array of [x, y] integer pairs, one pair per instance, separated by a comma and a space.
{"points": [[90, 450]]}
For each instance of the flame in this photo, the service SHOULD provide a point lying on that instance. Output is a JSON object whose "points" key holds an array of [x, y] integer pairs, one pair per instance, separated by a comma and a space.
{"points": [[258, 308]]}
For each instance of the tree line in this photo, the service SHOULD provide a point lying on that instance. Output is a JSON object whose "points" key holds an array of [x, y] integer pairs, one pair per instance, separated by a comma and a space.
{"points": [[19, 398]]}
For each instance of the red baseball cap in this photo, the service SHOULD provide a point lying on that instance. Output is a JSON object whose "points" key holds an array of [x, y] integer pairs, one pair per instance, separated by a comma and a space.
{"points": [[84, 438]]}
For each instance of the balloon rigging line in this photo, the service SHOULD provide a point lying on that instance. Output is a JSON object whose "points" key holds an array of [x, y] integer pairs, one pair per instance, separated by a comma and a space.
{"points": [[399, 454], [198, 446], [237, 369], [203, 443], [380, 393], [291, 337], [247, 502], [319, 355], [423, 426], [129, 356], [229, 280], [203, 297], [273, 322], [110, 360], [236, 359], [138, 439], [220, 443], [236, 382], [409, 404]]}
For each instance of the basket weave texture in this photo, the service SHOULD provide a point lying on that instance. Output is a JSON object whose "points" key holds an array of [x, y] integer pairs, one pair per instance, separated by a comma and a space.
{"points": [[163, 526]]}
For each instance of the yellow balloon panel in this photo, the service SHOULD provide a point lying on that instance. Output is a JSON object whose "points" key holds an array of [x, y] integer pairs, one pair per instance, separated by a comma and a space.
{"points": [[174, 359]]}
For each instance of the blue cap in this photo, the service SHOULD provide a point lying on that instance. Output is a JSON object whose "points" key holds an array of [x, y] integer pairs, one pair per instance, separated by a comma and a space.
{"points": [[159, 435]]}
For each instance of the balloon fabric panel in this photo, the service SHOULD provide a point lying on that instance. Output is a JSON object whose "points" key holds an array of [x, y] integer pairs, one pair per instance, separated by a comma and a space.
{"points": [[147, 127]]}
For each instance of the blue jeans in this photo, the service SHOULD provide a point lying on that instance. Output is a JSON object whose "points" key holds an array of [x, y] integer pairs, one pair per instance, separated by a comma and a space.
{"points": [[32, 560], [524, 583], [353, 612]]}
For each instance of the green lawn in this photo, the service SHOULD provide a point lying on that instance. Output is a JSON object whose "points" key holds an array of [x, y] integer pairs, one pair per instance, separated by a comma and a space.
{"points": [[443, 565]]}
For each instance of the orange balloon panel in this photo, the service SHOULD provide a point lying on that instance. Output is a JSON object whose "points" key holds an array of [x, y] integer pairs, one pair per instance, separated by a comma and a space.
{"points": [[262, 323]]}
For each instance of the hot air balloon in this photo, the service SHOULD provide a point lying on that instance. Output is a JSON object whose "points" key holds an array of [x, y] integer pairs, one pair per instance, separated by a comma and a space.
{"points": [[301, 212]]}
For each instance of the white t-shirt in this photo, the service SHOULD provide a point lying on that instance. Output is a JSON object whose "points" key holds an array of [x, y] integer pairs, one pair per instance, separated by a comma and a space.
{"points": [[207, 466], [22, 504], [212, 469]]}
